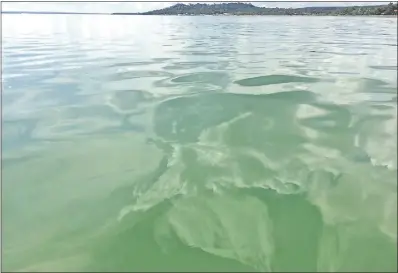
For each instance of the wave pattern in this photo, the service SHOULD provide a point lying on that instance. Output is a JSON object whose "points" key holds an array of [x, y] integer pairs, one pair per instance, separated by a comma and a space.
{"points": [[270, 146]]}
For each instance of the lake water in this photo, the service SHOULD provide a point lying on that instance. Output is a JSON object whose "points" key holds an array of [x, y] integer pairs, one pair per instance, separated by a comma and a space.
{"points": [[199, 143]]}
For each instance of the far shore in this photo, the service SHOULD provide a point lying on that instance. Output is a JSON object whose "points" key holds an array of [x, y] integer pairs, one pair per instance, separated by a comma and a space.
{"points": [[190, 15]]}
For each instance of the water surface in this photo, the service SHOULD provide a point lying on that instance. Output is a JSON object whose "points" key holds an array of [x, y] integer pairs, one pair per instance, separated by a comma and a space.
{"points": [[199, 143]]}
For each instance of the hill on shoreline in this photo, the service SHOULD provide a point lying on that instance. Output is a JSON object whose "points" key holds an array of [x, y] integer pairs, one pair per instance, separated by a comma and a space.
{"points": [[250, 9]]}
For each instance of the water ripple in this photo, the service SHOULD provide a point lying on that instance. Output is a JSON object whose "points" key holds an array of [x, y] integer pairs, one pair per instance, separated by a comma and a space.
{"points": [[199, 143]]}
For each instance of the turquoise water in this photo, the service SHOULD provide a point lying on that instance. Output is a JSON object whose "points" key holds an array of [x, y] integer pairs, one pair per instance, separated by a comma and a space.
{"points": [[199, 143]]}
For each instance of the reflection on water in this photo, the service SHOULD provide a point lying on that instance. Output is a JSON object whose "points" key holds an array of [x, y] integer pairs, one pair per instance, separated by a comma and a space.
{"points": [[199, 143]]}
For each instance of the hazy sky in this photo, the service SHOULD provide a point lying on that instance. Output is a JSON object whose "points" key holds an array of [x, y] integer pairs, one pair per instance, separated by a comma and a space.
{"points": [[124, 6]]}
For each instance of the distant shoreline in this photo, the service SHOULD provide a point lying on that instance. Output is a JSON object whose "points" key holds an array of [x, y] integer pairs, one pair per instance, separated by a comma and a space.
{"points": [[236, 8], [256, 15], [208, 15], [198, 15]]}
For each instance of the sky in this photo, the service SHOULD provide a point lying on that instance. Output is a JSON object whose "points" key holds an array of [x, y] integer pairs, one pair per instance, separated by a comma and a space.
{"points": [[125, 6]]}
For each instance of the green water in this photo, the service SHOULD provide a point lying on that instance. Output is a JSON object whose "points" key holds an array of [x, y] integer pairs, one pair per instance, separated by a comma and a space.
{"points": [[199, 143]]}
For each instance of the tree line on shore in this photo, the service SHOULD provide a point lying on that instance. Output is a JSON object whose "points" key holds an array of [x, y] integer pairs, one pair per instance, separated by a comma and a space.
{"points": [[250, 9]]}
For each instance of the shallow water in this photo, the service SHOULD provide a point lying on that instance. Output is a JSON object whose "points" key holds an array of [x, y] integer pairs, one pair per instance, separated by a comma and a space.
{"points": [[199, 143]]}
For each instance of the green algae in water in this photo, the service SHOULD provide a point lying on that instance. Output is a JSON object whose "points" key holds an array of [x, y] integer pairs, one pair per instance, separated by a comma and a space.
{"points": [[143, 154]]}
